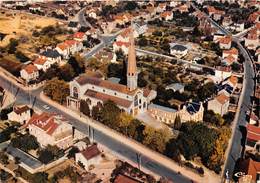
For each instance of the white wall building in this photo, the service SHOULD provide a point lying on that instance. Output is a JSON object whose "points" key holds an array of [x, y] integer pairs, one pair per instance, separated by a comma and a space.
{"points": [[20, 114]]}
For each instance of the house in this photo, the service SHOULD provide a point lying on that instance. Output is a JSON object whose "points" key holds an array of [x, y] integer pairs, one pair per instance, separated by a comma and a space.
{"points": [[225, 42], [252, 41], [254, 17], [227, 21], [73, 25], [92, 13], [50, 129], [42, 63], [231, 81], [239, 27], [79, 36], [106, 56], [253, 120], [74, 46], [183, 8], [215, 13], [166, 15], [229, 60], [29, 73], [117, 45], [20, 114], [192, 111], [178, 50], [250, 171], [125, 179], [161, 7], [219, 104], [63, 49], [253, 137], [124, 35], [129, 98], [52, 56], [223, 72], [233, 52], [176, 87], [140, 28], [90, 156]]}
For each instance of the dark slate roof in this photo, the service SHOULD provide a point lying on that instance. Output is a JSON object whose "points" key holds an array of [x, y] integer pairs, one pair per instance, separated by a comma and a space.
{"points": [[193, 107], [179, 47], [51, 53], [73, 24], [226, 87]]}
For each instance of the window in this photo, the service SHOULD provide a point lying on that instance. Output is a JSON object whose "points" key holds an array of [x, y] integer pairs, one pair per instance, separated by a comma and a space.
{"points": [[140, 101], [144, 105], [115, 93], [75, 92], [104, 90], [93, 87]]}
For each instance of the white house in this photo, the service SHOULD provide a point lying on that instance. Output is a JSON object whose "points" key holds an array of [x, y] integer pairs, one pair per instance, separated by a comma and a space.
{"points": [[121, 45], [42, 63], [63, 50], [178, 50], [219, 104], [223, 72], [29, 73], [166, 15], [252, 41], [20, 114], [52, 56], [50, 129], [90, 156], [176, 87], [225, 42]]}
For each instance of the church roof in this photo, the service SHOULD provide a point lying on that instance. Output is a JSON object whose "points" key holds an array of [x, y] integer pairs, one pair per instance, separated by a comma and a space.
{"points": [[104, 97], [83, 79]]}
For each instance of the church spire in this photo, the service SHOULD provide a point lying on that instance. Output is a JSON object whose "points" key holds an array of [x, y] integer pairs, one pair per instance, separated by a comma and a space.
{"points": [[131, 64]]}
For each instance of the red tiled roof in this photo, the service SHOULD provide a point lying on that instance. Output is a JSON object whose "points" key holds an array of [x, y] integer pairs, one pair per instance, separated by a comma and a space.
{"points": [[79, 35], [125, 179], [71, 42], [222, 98], [45, 121], [121, 43], [166, 13], [62, 46], [253, 132], [126, 32], [104, 97], [30, 69], [233, 79], [232, 51], [229, 59], [20, 110], [225, 40], [250, 167], [40, 60], [223, 69], [91, 152]]}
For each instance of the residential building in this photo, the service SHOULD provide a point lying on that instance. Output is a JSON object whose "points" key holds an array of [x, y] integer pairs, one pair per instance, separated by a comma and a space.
{"points": [[166, 15], [90, 156], [176, 87], [215, 13], [118, 45], [178, 50], [253, 137], [50, 129], [229, 60], [223, 72], [225, 42], [42, 63], [232, 51], [252, 41], [52, 56], [20, 114], [125, 179], [29, 73], [79, 36], [129, 98], [250, 169], [219, 104]]}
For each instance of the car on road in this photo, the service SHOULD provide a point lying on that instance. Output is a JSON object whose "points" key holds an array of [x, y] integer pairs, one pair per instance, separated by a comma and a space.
{"points": [[46, 107]]}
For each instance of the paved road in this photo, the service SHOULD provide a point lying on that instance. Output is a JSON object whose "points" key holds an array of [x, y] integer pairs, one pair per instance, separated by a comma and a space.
{"points": [[115, 145], [244, 105]]}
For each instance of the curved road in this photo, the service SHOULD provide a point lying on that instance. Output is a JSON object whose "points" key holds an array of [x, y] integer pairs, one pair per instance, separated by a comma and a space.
{"points": [[234, 152]]}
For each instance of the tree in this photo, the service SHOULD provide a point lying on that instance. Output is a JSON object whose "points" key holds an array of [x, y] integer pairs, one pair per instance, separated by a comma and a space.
{"points": [[124, 123], [49, 154], [131, 5], [4, 158], [177, 123], [72, 152], [96, 112], [12, 46], [206, 91], [66, 72], [156, 139], [135, 130], [25, 142], [110, 114], [84, 107], [40, 177], [142, 41], [78, 64], [57, 90]]}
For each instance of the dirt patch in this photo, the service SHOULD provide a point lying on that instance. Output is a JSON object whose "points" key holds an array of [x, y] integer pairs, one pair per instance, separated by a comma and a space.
{"points": [[11, 65]]}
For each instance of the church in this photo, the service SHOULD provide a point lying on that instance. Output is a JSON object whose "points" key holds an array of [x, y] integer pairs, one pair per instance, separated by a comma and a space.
{"points": [[129, 98]]}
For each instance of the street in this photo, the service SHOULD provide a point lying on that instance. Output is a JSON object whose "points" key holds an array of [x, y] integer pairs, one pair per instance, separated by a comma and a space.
{"points": [[114, 144], [236, 143]]}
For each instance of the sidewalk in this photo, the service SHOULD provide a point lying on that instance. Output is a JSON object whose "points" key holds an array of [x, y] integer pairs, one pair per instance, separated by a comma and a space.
{"points": [[159, 158]]}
